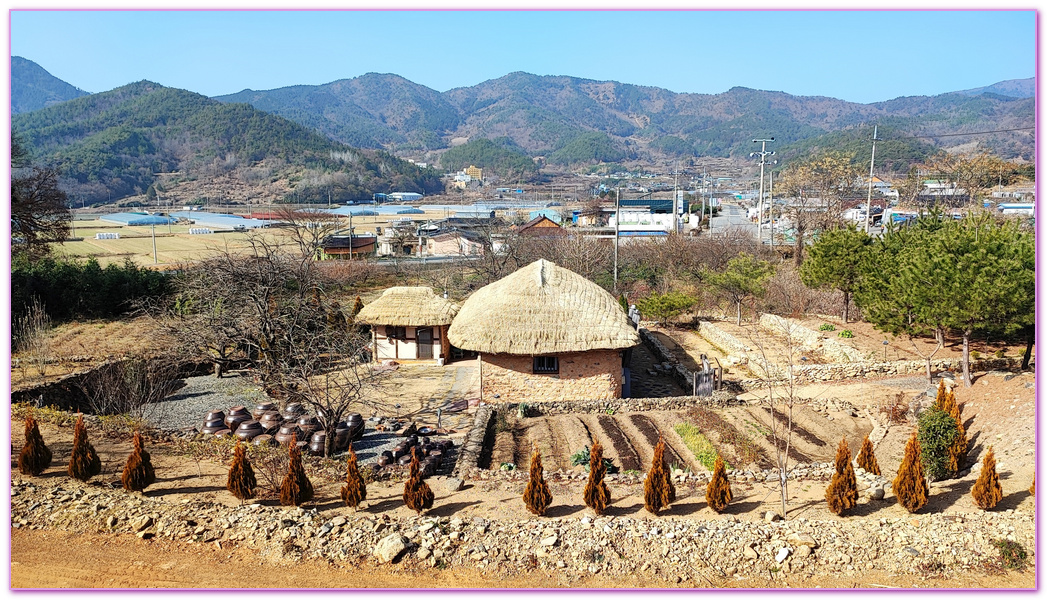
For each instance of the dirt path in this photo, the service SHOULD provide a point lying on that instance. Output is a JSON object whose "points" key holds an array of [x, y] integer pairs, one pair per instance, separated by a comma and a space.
{"points": [[54, 559]]}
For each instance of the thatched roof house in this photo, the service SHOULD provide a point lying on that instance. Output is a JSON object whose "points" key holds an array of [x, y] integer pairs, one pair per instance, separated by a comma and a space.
{"points": [[545, 322], [409, 323]]}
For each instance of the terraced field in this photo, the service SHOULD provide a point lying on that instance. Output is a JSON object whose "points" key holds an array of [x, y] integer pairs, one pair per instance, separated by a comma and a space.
{"points": [[741, 434]]}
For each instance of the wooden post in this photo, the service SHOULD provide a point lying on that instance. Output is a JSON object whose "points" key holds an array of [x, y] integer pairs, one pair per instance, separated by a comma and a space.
{"points": [[480, 366]]}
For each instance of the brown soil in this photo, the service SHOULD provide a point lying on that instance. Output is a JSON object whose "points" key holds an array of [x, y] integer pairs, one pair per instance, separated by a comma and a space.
{"points": [[57, 559]]}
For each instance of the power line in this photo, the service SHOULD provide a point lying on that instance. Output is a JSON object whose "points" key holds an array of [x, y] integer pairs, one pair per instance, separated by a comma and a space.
{"points": [[969, 133]]}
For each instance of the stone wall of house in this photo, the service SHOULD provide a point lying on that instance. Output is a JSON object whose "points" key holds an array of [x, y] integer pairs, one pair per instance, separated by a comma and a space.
{"points": [[583, 375]]}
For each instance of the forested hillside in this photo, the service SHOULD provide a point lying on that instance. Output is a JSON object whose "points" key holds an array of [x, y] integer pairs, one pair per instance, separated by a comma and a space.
{"points": [[33, 88]]}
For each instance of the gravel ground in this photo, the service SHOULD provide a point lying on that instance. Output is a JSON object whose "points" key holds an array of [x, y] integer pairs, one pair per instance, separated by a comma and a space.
{"points": [[188, 407]]}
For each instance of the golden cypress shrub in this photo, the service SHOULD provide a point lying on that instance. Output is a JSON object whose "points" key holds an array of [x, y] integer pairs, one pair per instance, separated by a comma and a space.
{"points": [[35, 456], [355, 489], [296, 487], [84, 462], [417, 495], [909, 485], [1032, 488], [718, 492], [596, 494], [241, 481], [658, 490], [987, 491], [866, 458], [939, 398], [958, 449], [536, 495], [842, 492], [138, 471]]}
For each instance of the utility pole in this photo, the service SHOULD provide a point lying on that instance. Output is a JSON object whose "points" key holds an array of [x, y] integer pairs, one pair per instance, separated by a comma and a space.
{"points": [[617, 222], [770, 203], [153, 228], [868, 202], [763, 154], [676, 199]]}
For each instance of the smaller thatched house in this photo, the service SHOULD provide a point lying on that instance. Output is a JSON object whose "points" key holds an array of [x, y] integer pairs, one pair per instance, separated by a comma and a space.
{"points": [[409, 323], [545, 333]]}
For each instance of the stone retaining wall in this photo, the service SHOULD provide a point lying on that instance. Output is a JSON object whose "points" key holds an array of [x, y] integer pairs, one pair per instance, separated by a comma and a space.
{"points": [[472, 447], [836, 371], [719, 398], [681, 374], [811, 340], [722, 340]]}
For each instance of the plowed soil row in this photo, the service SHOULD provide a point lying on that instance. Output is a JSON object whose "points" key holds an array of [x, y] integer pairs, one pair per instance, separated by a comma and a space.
{"points": [[651, 434], [622, 447]]}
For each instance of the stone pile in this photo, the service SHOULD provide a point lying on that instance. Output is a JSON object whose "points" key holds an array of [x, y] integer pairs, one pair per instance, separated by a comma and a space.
{"points": [[674, 551]]}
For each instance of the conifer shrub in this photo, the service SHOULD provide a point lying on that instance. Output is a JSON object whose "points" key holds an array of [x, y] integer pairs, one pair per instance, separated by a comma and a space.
{"points": [[658, 490], [718, 492], [35, 456], [958, 448], [866, 458], [842, 492], [987, 491], [1032, 488], [138, 471], [296, 487], [909, 485], [936, 433], [417, 495], [355, 489], [241, 481], [939, 398], [596, 494], [536, 495], [84, 462]]}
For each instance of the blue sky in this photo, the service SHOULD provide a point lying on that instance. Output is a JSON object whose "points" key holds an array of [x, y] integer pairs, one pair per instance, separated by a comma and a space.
{"points": [[858, 56]]}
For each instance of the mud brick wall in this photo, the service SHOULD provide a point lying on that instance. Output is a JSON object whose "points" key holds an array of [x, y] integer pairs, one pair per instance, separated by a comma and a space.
{"points": [[583, 376]]}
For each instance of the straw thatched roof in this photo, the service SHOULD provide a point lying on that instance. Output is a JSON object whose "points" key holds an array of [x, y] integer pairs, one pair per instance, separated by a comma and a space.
{"points": [[408, 307], [541, 309]]}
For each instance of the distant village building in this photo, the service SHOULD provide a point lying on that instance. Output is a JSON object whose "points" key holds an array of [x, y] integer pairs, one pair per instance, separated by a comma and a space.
{"points": [[409, 323], [404, 197], [474, 172], [545, 333], [541, 225]]}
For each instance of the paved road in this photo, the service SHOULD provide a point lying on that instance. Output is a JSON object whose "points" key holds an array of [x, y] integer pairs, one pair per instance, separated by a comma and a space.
{"points": [[732, 216]]}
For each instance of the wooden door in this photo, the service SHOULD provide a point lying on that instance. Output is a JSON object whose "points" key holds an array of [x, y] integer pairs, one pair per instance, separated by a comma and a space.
{"points": [[425, 343]]}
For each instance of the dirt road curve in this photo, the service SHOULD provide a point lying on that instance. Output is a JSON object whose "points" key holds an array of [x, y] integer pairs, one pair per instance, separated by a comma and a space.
{"points": [[56, 559]]}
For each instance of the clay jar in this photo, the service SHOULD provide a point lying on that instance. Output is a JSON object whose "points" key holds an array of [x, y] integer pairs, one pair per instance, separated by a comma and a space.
{"points": [[316, 445], [307, 425], [270, 420], [263, 440], [292, 411], [237, 415], [287, 431], [249, 429], [261, 409]]}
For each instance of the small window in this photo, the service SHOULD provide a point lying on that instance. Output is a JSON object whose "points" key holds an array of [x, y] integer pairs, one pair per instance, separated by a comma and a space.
{"points": [[546, 364], [396, 333]]}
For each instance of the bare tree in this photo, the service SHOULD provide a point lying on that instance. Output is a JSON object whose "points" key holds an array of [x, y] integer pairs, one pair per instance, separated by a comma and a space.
{"points": [[127, 386], [32, 337], [309, 228]]}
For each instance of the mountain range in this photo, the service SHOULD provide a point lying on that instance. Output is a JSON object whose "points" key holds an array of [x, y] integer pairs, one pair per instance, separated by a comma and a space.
{"points": [[146, 128]]}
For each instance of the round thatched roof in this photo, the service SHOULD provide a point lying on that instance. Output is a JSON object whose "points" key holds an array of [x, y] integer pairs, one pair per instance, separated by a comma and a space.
{"points": [[541, 309], [408, 307]]}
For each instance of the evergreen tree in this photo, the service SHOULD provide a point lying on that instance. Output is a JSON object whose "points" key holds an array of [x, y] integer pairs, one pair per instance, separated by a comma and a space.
{"points": [[658, 490], [355, 489], [987, 491], [417, 495], [596, 494], [138, 471], [939, 398], [241, 481], [937, 433], [909, 486], [296, 487], [84, 462], [958, 448], [1032, 488], [836, 261], [842, 492], [744, 277], [718, 492], [866, 458], [536, 495], [35, 456]]}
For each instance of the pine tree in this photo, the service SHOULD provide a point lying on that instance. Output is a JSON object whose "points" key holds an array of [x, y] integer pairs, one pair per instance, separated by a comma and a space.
{"points": [[842, 492], [596, 494], [536, 495], [35, 456], [355, 489], [987, 491], [417, 495], [296, 487], [138, 472], [909, 486], [958, 449], [718, 492], [84, 462], [866, 458], [658, 490], [241, 481]]}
